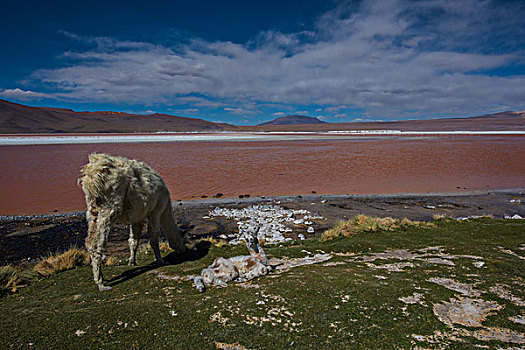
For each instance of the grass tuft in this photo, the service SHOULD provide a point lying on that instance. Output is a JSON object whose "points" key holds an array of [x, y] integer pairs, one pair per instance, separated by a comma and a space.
{"points": [[12, 279], [111, 261], [66, 261], [447, 218], [362, 223], [219, 243]]}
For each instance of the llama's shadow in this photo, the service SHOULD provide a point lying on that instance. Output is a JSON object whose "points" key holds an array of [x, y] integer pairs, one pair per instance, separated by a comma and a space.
{"points": [[198, 252]]}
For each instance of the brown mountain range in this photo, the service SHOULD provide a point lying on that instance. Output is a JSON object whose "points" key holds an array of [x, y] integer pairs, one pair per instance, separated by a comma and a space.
{"points": [[503, 121], [19, 119]]}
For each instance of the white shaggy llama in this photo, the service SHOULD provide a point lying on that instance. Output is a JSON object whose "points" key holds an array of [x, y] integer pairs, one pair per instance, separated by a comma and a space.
{"points": [[239, 268], [127, 191]]}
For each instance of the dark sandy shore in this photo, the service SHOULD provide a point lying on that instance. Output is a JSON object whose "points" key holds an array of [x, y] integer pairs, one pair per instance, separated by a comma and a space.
{"points": [[25, 238]]}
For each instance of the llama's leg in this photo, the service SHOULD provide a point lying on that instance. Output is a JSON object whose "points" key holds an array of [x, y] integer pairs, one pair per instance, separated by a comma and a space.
{"points": [[153, 235], [219, 283], [103, 224], [199, 284], [135, 232], [173, 234]]}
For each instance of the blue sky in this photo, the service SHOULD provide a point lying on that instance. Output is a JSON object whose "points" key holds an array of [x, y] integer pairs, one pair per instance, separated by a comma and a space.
{"points": [[245, 62]]}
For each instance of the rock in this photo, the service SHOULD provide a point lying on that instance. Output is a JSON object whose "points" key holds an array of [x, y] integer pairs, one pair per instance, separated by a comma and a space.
{"points": [[514, 217], [310, 230]]}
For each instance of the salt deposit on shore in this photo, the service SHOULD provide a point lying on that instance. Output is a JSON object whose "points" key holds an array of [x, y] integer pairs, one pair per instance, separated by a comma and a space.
{"points": [[270, 221], [8, 140]]}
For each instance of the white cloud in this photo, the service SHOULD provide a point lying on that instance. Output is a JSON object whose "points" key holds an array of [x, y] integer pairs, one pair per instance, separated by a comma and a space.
{"points": [[278, 113], [388, 58], [23, 95], [301, 112], [239, 111]]}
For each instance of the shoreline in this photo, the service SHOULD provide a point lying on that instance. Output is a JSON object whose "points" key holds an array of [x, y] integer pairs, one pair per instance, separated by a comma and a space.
{"points": [[65, 139], [26, 238], [232, 201]]}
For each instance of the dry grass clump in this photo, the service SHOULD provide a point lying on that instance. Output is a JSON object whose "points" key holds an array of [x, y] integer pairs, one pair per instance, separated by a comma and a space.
{"points": [[12, 279], [111, 261], [362, 223], [145, 249], [165, 247], [216, 242], [66, 261], [447, 218]]}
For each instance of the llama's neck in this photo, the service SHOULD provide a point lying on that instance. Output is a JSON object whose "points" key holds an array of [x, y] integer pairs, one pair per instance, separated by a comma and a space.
{"points": [[257, 252]]}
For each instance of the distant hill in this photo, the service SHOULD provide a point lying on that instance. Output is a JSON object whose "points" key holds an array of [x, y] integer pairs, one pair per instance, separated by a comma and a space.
{"points": [[18, 119], [503, 121], [293, 120]]}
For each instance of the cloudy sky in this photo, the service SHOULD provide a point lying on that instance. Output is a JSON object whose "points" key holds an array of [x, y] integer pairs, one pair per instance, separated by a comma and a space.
{"points": [[245, 62]]}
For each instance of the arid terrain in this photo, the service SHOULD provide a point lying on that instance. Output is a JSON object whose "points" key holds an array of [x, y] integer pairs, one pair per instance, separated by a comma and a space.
{"points": [[19, 119]]}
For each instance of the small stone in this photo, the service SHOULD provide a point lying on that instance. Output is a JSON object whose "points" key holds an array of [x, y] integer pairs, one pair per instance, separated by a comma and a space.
{"points": [[310, 230], [478, 264]]}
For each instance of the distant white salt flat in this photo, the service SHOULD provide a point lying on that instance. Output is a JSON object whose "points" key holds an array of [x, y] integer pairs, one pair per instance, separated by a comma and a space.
{"points": [[424, 133], [79, 139], [7, 140]]}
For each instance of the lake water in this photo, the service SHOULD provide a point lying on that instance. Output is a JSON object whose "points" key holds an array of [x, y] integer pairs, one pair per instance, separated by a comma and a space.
{"points": [[38, 179]]}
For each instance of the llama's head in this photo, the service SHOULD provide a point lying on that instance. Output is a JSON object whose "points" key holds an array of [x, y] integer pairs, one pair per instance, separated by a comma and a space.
{"points": [[176, 242], [252, 243]]}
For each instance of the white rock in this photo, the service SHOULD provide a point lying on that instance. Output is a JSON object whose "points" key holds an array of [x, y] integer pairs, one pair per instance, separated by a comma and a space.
{"points": [[301, 237], [269, 220], [310, 230], [514, 217]]}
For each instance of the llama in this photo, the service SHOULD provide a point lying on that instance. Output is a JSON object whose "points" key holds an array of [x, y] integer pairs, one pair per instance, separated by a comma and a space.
{"points": [[240, 268], [128, 191]]}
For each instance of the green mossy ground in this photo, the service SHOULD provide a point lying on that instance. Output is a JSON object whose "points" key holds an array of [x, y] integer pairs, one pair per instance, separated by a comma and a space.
{"points": [[350, 304]]}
